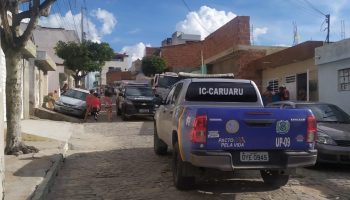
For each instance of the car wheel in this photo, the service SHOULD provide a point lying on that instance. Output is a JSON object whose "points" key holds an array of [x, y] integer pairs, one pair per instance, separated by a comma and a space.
{"points": [[160, 147], [274, 178], [181, 180], [124, 117]]}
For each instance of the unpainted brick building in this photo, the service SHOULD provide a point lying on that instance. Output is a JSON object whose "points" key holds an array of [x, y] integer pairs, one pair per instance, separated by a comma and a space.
{"points": [[227, 50]]}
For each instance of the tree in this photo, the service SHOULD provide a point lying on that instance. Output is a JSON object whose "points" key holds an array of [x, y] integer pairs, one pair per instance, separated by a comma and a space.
{"points": [[85, 57], [153, 65], [12, 43]]}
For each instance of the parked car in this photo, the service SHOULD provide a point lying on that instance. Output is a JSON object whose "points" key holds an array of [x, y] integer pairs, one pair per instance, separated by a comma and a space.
{"points": [[136, 100], [221, 123], [72, 102], [333, 127]]}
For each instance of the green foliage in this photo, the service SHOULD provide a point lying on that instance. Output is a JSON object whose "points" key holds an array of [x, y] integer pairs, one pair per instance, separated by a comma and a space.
{"points": [[153, 65], [84, 57]]}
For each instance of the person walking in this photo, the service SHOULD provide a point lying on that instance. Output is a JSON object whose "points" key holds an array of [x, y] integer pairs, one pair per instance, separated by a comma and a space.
{"points": [[108, 105], [89, 98], [95, 106]]}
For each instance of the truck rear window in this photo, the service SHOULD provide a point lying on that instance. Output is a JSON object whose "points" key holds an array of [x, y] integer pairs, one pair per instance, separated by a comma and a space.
{"points": [[221, 92]]}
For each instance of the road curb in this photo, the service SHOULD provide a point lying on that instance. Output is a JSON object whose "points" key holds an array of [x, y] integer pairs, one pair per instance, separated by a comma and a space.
{"points": [[43, 188]]}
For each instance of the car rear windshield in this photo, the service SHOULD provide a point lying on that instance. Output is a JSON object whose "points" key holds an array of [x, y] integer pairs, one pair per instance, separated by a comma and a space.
{"points": [[139, 91], [167, 81], [327, 113], [221, 92], [76, 94]]}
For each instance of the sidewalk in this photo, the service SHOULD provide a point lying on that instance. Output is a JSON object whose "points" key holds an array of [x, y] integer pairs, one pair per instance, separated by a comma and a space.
{"points": [[30, 176]]}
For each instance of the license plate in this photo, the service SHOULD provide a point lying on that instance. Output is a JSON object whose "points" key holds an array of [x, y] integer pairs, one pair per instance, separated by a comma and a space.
{"points": [[254, 156], [144, 110]]}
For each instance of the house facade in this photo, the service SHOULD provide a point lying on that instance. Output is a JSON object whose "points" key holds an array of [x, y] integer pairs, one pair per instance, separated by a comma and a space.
{"points": [[293, 67], [333, 62], [46, 39], [119, 61]]}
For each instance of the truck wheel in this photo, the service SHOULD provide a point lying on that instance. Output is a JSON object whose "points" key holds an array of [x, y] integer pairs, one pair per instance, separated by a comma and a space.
{"points": [[118, 111], [160, 148], [181, 181], [274, 178], [124, 117]]}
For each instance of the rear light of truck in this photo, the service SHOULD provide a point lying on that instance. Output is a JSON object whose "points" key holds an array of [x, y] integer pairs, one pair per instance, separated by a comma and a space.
{"points": [[311, 132], [199, 130]]}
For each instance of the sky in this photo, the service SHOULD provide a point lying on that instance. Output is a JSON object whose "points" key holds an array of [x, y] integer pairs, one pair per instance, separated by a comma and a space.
{"points": [[131, 25]]}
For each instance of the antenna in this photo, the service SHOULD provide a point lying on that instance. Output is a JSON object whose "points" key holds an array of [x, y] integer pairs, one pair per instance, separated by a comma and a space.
{"points": [[295, 34], [342, 29]]}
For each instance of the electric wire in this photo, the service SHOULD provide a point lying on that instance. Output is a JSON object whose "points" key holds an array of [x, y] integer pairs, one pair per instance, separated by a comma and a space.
{"points": [[314, 8], [70, 8], [198, 20]]}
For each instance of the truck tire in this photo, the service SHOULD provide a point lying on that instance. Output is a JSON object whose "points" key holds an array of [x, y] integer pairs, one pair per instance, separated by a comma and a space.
{"points": [[274, 178], [181, 181], [160, 148], [124, 117]]}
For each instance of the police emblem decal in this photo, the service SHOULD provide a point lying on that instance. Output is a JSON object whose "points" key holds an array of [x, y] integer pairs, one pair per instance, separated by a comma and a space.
{"points": [[282, 126], [232, 126]]}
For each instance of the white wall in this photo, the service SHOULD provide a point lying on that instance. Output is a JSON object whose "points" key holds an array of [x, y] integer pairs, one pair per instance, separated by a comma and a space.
{"points": [[328, 84], [53, 77], [122, 64], [331, 58]]}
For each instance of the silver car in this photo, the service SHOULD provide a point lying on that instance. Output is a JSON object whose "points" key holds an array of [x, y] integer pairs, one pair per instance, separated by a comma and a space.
{"points": [[333, 130], [72, 102]]}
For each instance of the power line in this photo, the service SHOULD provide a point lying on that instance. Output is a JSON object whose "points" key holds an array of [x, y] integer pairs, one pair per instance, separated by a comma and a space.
{"points": [[198, 20], [70, 7], [314, 8]]}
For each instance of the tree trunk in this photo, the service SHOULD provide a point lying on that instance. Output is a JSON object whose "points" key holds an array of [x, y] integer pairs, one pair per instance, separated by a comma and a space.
{"points": [[13, 101], [76, 81]]}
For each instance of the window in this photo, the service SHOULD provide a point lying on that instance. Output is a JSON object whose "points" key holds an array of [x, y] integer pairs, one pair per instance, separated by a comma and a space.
{"points": [[169, 97], [344, 79], [274, 85], [221, 92], [177, 93]]}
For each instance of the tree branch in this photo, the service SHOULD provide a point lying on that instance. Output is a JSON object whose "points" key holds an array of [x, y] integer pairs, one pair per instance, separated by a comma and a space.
{"points": [[37, 10], [5, 23], [16, 19]]}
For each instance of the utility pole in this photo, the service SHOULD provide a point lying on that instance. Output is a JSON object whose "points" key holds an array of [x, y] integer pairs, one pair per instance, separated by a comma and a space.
{"points": [[328, 21], [82, 25]]}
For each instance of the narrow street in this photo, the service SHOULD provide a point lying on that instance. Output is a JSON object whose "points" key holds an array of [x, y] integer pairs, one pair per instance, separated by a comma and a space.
{"points": [[116, 161]]}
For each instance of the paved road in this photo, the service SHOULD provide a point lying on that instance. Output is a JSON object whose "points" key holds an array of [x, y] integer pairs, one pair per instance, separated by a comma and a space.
{"points": [[116, 161]]}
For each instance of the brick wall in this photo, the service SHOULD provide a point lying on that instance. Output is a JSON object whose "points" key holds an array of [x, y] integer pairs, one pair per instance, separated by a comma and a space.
{"points": [[183, 55], [235, 32], [118, 76], [248, 71], [152, 51]]}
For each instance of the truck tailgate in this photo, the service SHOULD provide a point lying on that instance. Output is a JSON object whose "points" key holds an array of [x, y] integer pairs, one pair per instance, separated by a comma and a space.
{"points": [[256, 128]]}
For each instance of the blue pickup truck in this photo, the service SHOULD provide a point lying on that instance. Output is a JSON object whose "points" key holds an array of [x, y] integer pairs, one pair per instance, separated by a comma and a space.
{"points": [[221, 124]]}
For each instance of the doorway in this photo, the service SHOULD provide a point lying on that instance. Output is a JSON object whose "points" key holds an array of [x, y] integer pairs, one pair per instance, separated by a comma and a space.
{"points": [[302, 87]]}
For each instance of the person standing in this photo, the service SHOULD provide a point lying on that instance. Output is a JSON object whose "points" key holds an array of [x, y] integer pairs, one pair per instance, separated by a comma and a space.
{"points": [[283, 93], [64, 88], [267, 96]]}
